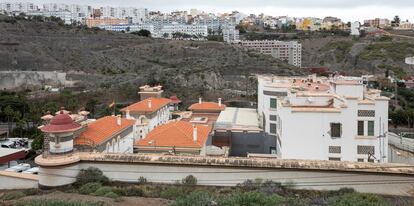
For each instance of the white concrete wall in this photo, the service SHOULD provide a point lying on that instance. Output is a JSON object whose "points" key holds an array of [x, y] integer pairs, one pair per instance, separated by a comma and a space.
{"points": [[10, 182], [230, 176]]}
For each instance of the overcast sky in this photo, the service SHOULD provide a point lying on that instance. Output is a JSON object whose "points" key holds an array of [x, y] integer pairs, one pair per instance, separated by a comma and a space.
{"points": [[347, 10]]}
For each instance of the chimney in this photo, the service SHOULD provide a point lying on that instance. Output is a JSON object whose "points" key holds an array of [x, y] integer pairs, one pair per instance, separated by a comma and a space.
{"points": [[149, 103], [127, 115], [199, 100], [219, 102], [118, 120], [195, 135]]}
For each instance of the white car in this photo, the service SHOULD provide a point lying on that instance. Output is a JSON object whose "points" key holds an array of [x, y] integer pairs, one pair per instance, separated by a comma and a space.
{"points": [[33, 170], [18, 168]]}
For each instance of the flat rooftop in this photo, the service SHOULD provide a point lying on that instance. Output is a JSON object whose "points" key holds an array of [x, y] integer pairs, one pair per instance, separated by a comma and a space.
{"points": [[233, 118]]}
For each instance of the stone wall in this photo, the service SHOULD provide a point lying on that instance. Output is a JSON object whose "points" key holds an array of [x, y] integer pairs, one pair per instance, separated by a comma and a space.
{"points": [[12, 180], [33, 80]]}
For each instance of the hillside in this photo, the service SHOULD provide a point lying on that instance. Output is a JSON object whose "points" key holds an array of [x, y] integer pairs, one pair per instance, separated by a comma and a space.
{"points": [[101, 59], [359, 56]]}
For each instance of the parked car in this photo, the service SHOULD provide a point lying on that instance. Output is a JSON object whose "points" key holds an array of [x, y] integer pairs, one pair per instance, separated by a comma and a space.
{"points": [[33, 170], [8, 144], [18, 168]]}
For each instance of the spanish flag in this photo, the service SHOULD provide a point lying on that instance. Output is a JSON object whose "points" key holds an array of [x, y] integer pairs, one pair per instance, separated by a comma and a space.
{"points": [[112, 104]]}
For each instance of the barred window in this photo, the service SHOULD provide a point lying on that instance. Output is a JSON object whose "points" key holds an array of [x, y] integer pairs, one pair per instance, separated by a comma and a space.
{"points": [[334, 159], [272, 117], [272, 128], [364, 149], [366, 113], [361, 128], [335, 149], [336, 129]]}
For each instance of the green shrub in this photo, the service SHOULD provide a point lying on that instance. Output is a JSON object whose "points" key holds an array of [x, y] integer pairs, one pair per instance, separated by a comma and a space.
{"points": [[112, 195], [189, 180], [90, 187], [251, 198], [102, 191], [357, 199], [142, 180], [172, 193], [91, 174], [129, 191], [32, 191], [12, 195], [57, 203], [199, 198]]}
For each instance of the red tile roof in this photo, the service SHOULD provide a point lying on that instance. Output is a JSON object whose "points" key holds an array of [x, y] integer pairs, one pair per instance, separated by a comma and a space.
{"points": [[100, 130], [175, 100], [61, 123], [143, 106], [176, 133], [207, 106]]}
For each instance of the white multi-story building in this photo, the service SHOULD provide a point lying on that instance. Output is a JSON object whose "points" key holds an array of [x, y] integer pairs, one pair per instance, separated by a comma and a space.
{"points": [[231, 35], [290, 51], [324, 119], [17, 7], [150, 112], [129, 27], [190, 29], [355, 28], [66, 16]]}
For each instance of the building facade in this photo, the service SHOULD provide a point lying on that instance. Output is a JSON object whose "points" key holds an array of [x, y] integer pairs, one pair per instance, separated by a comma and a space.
{"points": [[231, 35], [148, 114], [290, 52], [324, 119]]}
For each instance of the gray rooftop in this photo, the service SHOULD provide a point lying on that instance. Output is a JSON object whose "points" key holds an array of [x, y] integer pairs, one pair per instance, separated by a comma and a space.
{"points": [[233, 118]]}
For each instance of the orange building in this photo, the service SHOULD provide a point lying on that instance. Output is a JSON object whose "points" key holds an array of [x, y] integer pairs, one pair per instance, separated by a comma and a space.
{"points": [[94, 22]]}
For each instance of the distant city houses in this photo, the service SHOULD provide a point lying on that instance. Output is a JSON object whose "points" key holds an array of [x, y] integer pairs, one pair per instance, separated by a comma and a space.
{"points": [[196, 24]]}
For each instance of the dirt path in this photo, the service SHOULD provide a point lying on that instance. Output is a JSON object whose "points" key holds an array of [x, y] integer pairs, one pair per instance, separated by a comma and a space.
{"points": [[126, 201]]}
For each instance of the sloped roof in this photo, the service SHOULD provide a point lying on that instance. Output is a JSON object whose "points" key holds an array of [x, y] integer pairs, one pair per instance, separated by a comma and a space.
{"points": [[176, 133], [102, 129], [143, 106], [207, 106]]}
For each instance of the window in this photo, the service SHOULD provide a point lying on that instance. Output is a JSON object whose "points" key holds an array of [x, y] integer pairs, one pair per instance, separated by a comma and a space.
{"points": [[360, 159], [335, 149], [370, 128], [272, 150], [360, 128], [366, 113], [272, 128], [336, 130], [334, 159], [272, 117], [273, 103], [365, 149]]}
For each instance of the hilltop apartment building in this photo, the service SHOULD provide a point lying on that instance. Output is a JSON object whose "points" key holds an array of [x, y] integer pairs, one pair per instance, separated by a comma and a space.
{"points": [[290, 51], [337, 119]]}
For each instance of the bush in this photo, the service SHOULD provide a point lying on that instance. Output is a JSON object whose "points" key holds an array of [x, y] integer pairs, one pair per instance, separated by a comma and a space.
{"points": [[189, 180], [89, 188], [172, 193], [199, 198], [112, 195], [251, 198], [102, 191], [58, 203], [32, 191], [248, 185], [12, 195], [269, 187], [142, 180], [357, 199], [129, 191], [89, 175]]}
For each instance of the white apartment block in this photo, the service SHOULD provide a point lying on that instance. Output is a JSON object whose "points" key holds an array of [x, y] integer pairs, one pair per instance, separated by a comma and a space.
{"points": [[336, 119], [19, 7], [290, 51], [231, 35], [66, 16], [190, 29], [129, 28]]}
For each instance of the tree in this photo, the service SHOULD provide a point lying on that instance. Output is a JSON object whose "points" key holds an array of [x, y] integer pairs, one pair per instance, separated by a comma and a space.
{"points": [[142, 32], [396, 21]]}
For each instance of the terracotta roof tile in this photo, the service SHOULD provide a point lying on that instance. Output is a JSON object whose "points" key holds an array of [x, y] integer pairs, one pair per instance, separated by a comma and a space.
{"points": [[100, 130], [176, 133], [207, 106], [143, 106]]}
